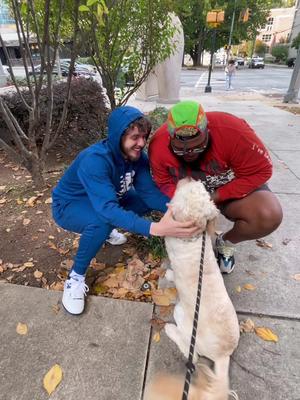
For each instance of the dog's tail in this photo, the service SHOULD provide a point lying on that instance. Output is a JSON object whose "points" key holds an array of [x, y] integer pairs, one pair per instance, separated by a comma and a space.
{"points": [[170, 387]]}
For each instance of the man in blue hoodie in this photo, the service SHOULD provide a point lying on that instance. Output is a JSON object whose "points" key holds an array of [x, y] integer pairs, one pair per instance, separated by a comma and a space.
{"points": [[109, 185]]}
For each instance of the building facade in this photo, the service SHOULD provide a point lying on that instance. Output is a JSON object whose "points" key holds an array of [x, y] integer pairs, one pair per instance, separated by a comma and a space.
{"points": [[278, 27], [295, 29]]}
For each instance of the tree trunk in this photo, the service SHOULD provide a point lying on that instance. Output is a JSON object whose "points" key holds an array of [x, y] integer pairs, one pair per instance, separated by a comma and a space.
{"points": [[36, 167]]}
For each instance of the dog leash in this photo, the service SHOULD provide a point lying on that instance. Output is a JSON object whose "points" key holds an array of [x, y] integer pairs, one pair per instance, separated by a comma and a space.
{"points": [[190, 365]]}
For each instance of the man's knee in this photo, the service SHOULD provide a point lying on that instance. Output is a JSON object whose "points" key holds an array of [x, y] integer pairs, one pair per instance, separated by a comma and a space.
{"points": [[268, 217]]}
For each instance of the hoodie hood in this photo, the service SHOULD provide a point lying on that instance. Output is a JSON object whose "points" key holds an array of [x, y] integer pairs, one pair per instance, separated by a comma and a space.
{"points": [[118, 122]]}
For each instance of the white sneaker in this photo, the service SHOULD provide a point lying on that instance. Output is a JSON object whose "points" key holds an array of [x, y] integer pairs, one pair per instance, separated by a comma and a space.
{"points": [[75, 291], [116, 238]]}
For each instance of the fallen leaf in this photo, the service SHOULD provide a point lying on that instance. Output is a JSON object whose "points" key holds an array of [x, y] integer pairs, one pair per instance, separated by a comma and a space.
{"points": [[263, 243], [266, 334], [166, 311], [48, 201], [99, 289], [7, 230], [1, 269], [171, 293], [156, 337], [41, 230], [249, 286], [26, 221], [247, 325], [19, 201], [157, 324], [238, 289], [31, 202], [2, 187], [55, 308], [52, 378], [28, 264], [98, 266], [22, 329], [59, 286], [160, 299], [68, 263], [296, 277], [39, 212], [2, 201], [37, 274], [51, 237]]}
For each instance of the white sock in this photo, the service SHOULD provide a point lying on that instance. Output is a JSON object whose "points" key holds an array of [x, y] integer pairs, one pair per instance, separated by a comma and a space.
{"points": [[76, 276]]}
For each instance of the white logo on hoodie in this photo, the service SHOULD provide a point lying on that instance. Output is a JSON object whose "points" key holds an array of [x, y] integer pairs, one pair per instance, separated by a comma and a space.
{"points": [[126, 183]]}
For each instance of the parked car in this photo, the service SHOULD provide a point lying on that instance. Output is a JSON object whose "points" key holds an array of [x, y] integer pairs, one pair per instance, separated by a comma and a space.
{"points": [[239, 62], [290, 62], [256, 62]]}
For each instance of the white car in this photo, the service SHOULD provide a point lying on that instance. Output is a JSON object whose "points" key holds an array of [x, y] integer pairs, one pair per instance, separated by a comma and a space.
{"points": [[257, 62]]}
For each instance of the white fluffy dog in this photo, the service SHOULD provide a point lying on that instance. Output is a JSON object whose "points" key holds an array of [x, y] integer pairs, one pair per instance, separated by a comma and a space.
{"points": [[218, 328]]}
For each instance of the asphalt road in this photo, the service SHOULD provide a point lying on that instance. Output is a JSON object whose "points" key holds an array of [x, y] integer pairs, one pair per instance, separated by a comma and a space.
{"points": [[268, 80]]}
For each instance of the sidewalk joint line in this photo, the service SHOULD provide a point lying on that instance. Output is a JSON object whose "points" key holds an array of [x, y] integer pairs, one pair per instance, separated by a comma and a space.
{"points": [[261, 315]]}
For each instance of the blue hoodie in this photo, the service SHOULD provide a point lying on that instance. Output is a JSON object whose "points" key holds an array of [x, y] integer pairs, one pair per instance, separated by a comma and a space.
{"points": [[101, 173]]}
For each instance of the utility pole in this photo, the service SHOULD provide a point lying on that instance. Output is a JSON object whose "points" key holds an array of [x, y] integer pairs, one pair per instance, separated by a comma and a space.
{"points": [[292, 93], [231, 31], [214, 18]]}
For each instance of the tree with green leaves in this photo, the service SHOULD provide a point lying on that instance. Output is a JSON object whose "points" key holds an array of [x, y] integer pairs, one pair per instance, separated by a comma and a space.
{"points": [[198, 35], [296, 42], [260, 47], [134, 37], [280, 52]]}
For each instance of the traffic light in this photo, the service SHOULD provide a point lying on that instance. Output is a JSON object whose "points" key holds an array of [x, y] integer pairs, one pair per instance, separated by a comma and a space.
{"points": [[245, 15]]}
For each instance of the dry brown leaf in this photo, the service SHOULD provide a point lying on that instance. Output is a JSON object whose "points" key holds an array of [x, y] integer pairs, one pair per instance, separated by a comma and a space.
{"points": [[22, 329], [159, 298], [28, 264], [48, 201], [99, 289], [52, 378], [296, 277], [156, 337], [52, 246], [238, 289], [1, 269], [31, 202], [98, 266], [26, 221], [2, 187], [130, 251], [55, 308], [59, 286], [157, 324], [112, 281], [166, 311], [3, 200], [247, 325], [249, 286], [51, 237], [171, 293], [266, 334], [68, 263], [37, 274], [264, 244]]}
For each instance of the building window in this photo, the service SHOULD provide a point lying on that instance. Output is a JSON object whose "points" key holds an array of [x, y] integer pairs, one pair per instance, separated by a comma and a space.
{"points": [[270, 21], [266, 38], [5, 17]]}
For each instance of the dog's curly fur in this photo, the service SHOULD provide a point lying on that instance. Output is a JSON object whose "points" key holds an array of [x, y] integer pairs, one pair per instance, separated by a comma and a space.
{"points": [[218, 329]]}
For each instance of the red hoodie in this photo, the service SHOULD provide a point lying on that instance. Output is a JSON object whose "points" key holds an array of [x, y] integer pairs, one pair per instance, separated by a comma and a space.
{"points": [[235, 163]]}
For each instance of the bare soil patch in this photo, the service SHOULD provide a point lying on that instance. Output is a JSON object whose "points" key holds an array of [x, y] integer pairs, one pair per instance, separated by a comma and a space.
{"points": [[34, 251]]}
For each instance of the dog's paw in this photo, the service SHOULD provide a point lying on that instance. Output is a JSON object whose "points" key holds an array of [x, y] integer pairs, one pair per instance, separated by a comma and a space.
{"points": [[169, 275]]}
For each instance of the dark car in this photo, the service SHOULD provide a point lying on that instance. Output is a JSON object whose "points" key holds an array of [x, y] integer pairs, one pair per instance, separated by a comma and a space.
{"points": [[290, 62]]}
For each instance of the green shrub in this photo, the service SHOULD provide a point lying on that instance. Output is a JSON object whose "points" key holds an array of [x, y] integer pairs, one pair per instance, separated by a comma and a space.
{"points": [[157, 117], [280, 52]]}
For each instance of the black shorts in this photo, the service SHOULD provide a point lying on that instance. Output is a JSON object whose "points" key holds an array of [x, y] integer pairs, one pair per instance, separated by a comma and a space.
{"points": [[223, 205]]}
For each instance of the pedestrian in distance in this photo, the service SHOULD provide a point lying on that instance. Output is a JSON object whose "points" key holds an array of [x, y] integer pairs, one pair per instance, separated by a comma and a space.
{"points": [[225, 153], [229, 72], [109, 185]]}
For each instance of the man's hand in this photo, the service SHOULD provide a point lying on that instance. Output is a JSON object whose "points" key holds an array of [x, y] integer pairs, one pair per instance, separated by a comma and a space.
{"points": [[167, 226]]}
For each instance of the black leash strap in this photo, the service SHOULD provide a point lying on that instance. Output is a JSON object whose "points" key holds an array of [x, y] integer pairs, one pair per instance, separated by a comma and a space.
{"points": [[190, 365]]}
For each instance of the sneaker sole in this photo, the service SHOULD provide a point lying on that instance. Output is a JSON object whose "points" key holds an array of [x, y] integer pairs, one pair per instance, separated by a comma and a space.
{"points": [[70, 312]]}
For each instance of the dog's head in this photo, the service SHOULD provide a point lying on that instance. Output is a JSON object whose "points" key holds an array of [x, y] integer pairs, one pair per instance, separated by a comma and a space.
{"points": [[191, 201]]}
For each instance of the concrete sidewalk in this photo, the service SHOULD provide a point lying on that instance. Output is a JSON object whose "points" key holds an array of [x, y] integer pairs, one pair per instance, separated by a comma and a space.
{"points": [[107, 353]]}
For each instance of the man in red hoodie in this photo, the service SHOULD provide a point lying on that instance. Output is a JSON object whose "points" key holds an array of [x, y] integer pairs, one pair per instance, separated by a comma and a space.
{"points": [[224, 152]]}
